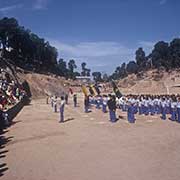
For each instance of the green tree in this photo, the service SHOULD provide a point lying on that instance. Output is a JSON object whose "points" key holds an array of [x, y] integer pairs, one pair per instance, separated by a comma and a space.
{"points": [[85, 71], [141, 58], [174, 49], [97, 76], [132, 67], [71, 67], [160, 55], [62, 67]]}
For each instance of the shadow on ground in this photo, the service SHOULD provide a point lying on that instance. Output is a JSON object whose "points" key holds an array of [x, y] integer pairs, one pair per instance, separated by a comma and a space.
{"points": [[69, 119], [3, 141]]}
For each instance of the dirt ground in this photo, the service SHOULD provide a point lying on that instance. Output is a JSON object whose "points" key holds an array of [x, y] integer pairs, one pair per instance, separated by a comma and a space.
{"points": [[88, 146]]}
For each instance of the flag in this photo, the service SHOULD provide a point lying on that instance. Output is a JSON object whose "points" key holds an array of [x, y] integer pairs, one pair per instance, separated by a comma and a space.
{"points": [[91, 90], [84, 90], [97, 89], [116, 90]]}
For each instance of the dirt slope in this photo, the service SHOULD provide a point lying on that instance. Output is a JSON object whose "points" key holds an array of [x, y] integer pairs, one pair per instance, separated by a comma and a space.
{"points": [[153, 82], [41, 84]]}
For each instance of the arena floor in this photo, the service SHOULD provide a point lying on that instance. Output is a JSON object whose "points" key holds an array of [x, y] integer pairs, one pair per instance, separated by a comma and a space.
{"points": [[89, 147]]}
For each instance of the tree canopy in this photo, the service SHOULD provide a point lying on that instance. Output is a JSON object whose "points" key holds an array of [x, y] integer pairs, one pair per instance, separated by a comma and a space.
{"points": [[164, 54]]}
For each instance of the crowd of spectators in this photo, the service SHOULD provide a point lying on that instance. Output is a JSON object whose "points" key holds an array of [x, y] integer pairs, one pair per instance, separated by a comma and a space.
{"points": [[10, 94]]}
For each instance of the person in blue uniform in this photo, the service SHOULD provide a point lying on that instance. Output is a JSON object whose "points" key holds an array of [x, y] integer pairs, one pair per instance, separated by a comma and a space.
{"points": [[178, 110], [130, 112], [146, 106], [152, 106], [86, 104], [98, 102], [104, 104], [173, 109], [163, 108], [112, 108]]}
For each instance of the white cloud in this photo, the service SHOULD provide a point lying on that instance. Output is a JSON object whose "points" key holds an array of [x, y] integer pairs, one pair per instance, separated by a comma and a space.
{"points": [[98, 55], [40, 4], [162, 2], [147, 44], [5, 10], [92, 49]]}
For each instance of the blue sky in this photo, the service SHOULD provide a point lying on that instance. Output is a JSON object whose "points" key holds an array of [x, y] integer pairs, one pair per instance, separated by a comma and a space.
{"points": [[103, 33]]}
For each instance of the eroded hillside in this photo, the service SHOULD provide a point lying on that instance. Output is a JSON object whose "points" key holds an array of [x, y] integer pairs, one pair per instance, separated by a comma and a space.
{"points": [[153, 82]]}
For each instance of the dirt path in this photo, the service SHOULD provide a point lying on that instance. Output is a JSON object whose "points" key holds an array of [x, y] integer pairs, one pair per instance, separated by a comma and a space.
{"points": [[89, 147]]}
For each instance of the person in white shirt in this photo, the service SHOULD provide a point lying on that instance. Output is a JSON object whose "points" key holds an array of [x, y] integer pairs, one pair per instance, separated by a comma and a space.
{"points": [[104, 104]]}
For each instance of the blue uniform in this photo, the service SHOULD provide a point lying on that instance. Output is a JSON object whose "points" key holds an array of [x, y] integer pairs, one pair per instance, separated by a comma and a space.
{"points": [[163, 110], [104, 105], [173, 111], [130, 113], [178, 112], [112, 109]]}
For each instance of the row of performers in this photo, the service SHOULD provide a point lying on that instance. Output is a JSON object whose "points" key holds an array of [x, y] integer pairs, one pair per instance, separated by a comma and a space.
{"points": [[137, 104]]}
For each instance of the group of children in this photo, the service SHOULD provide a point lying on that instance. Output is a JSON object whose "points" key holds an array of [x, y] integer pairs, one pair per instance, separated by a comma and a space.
{"points": [[138, 104], [10, 94], [132, 104], [60, 102], [151, 105]]}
